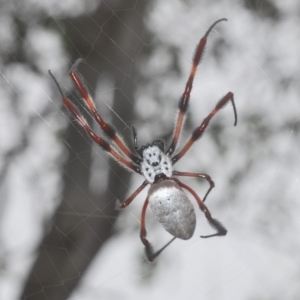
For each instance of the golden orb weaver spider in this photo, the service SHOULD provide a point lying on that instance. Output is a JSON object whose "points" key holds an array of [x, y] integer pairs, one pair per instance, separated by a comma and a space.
{"points": [[169, 203]]}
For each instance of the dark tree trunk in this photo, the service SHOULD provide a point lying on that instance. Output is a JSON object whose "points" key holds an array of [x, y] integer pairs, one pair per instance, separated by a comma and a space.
{"points": [[110, 40]]}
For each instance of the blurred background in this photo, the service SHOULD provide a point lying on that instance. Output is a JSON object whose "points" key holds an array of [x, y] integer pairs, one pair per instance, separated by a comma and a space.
{"points": [[60, 235]]}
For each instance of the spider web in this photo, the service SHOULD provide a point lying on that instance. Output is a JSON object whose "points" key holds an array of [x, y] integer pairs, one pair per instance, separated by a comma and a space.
{"points": [[255, 165]]}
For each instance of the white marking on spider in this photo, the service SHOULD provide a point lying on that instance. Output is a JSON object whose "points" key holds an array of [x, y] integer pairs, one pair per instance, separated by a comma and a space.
{"points": [[155, 162]]}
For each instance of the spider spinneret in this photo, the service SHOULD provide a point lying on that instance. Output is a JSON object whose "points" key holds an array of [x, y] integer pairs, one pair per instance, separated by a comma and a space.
{"points": [[169, 203]]}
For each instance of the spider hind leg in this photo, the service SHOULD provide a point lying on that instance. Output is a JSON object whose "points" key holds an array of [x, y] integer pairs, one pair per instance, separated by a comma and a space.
{"points": [[151, 255]]}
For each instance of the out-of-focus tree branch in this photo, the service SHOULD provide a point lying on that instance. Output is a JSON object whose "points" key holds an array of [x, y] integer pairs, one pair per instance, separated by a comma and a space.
{"points": [[67, 250]]}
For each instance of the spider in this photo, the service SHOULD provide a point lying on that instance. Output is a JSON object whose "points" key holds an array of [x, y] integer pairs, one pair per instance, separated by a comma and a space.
{"points": [[169, 203]]}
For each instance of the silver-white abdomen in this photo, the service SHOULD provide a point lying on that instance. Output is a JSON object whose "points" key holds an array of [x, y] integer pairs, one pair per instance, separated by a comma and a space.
{"points": [[172, 208]]}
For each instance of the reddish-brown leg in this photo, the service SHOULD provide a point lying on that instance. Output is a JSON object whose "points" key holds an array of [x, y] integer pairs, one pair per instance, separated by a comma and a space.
{"points": [[200, 130], [151, 255], [130, 199], [213, 222], [198, 175], [107, 128], [101, 142], [184, 100]]}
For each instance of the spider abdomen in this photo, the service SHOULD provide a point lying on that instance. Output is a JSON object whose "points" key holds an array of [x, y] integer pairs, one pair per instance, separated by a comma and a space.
{"points": [[173, 209]]}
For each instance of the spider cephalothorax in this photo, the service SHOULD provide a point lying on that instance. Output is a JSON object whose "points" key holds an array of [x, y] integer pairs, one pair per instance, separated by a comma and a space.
{"points": [[155, 162], [169, 203]]}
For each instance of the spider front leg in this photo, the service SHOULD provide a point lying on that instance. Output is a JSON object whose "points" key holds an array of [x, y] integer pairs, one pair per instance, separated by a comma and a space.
{"points": [[184, 100], [107, 128], [200, 130], [198, 175], [221, 230], [113, 152], [151, 255]]}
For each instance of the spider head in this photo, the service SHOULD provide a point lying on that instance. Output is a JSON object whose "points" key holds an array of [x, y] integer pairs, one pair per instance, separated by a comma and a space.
{"points": [[157, 143], [154, 161]]}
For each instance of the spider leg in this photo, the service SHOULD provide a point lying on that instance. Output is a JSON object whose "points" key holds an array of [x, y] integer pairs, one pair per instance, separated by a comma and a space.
{"points": [[198, 175], [221, 230], [134, 194], [134, 134], [100, 141], [151, 255], [200, 130], [184, 100], [107, 128]]}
